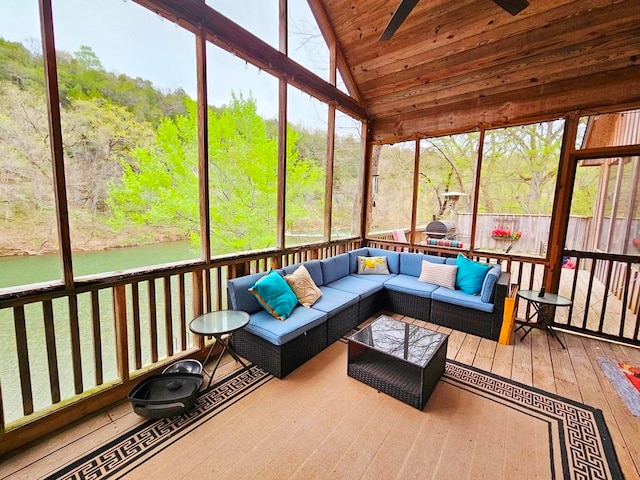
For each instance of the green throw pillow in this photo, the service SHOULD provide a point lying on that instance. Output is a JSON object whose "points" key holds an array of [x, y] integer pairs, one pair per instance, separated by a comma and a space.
{"points": [[275, 295], [470, 275]]}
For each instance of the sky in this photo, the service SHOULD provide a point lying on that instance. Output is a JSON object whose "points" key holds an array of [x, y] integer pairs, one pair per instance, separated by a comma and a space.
{"points": [[129, 39]]}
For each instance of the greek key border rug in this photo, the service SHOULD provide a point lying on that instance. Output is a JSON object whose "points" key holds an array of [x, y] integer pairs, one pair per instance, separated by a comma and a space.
{"points": [[580, 445]]}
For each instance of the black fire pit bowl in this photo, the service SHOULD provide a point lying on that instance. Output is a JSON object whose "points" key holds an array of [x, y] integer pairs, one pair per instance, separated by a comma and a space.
{"points": [[166, 395]]}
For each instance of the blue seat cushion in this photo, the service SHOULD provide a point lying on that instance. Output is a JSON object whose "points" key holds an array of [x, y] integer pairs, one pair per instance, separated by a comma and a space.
{"points": [[458, 297], [333, 300], [355, 284], [277, 332], [411, 285], [374, 277]]}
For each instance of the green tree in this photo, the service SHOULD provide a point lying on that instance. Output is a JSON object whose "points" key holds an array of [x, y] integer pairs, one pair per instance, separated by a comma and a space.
{"points": [[160, 187]]}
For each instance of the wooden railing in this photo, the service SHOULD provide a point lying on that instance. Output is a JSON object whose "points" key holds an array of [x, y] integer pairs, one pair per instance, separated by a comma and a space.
{"points": [[605, 291], [81, 350]]}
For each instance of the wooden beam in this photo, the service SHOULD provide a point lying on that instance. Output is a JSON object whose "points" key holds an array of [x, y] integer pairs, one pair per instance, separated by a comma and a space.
{"points": [[326, 28], [231, 37], [588, 94], [55, 134], [281, 202], [414, 197], [203, 147], [561, 204]]}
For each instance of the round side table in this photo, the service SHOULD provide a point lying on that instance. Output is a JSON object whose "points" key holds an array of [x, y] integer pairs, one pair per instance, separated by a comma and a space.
{"points": [[536, 301], [219, 324]]}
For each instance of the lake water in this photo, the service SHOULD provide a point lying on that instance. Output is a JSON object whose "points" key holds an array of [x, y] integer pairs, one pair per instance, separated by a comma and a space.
{"points": [[24, 270]]}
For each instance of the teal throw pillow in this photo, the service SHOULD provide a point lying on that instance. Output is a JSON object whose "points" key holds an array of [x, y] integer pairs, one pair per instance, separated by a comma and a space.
{"points": [[275, 295], [470, 275]]}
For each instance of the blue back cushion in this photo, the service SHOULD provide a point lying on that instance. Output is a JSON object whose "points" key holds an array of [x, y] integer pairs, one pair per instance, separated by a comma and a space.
{"points": [[470, 275], [312, 266], [239, 296], [335, 268], [411, 263], [489, 284], [353, 258]]}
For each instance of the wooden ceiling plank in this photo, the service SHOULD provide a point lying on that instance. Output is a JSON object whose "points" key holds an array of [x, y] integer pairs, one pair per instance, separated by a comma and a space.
{"points": [[573, 62], [604, 24], [590, 94], [459, 30], [496, 94]]}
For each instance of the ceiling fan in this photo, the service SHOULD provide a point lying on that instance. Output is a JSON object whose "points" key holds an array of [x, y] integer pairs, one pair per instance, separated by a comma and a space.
{"points": [[512, 6]]}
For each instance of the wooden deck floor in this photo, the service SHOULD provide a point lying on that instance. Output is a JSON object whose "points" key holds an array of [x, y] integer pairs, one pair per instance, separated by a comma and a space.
{"points": [[538, 361]]}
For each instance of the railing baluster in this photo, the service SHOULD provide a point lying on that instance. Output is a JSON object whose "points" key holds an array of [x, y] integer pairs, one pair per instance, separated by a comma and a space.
{"points": [[168, 317], [2, 430], [52, 354], [607, 289], [574, 288], [135, 304], [219, 289], [587, 300], [207, 288], [183, 312], [97, 338], [23, 359], [122, 342], [153, 320], [625, 298], [76, 354]]}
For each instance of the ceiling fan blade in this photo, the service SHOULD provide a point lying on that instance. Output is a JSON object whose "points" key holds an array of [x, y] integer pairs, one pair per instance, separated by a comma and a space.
{"points": [[514, 7], [399, 16]]}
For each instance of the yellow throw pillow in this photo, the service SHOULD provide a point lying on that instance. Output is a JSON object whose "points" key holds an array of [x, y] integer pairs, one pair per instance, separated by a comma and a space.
{"points": [[303, 286], [372, 265]]}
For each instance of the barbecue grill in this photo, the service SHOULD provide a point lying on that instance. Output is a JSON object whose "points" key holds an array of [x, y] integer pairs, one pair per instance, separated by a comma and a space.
{"points": [[440, 229]]}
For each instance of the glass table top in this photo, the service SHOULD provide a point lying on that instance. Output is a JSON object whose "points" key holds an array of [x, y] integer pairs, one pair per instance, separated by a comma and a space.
{"points": [[547, 299], [402, 340], [219, 322]]}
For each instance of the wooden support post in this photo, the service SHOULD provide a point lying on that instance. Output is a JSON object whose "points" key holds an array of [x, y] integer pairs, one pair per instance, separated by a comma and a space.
{"points": [[203, 146], [561, 204]]}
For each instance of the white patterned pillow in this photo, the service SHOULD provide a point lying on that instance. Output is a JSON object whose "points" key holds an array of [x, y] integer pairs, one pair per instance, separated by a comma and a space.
{"points": [[439, 274]]}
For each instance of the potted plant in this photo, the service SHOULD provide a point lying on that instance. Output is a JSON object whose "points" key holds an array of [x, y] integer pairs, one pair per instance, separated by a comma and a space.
{"points": [[505, 234]]}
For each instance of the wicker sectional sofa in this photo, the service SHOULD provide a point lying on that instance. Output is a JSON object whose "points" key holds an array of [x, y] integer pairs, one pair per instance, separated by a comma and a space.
{"points": [[349, 298]]}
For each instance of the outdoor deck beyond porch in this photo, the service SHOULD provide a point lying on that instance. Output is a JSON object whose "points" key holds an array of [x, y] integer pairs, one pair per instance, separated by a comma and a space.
{"points": [[537, 361]]}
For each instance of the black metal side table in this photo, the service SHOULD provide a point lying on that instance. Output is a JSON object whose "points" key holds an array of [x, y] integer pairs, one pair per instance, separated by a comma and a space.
{"points": [[220, 324], [548, 299]]}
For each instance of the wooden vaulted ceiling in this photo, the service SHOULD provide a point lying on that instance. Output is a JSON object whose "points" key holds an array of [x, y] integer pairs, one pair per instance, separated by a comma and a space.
{"points": [[455, 65]]}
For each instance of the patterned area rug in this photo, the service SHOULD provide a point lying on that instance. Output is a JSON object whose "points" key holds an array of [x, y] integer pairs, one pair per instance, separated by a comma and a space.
{"points": [[626, 380], [579, 442]]}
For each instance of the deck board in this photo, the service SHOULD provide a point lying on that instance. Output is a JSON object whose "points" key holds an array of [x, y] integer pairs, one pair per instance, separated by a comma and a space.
{"points": [[538, 360]]}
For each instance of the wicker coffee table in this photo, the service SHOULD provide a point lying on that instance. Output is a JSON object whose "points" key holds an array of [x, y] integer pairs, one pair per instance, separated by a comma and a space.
{"points": [[397, 358]]}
